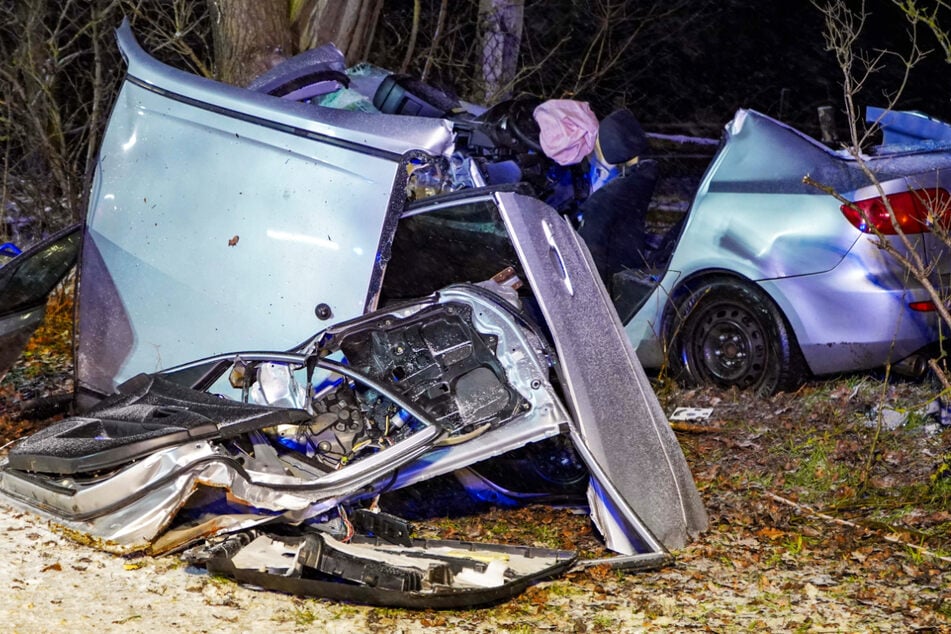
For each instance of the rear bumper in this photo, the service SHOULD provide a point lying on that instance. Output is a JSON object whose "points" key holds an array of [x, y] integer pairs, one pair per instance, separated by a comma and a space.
{"points": [[857, 315]]}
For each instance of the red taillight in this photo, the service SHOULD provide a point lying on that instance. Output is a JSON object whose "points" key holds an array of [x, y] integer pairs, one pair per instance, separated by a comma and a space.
{"points": [[915, 212], [923, 307]]}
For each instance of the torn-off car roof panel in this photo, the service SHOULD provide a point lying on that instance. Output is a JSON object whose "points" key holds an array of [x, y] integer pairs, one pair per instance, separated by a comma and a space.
{"points": [[209, 199]]}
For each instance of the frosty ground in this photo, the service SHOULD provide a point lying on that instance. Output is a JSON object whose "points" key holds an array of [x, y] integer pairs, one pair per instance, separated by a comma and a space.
{"points": [[824, 518]]}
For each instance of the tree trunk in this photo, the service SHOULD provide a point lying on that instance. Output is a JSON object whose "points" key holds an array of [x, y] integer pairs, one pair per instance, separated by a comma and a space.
{"points": [[500, 22], [250, 37], [348, 25]]}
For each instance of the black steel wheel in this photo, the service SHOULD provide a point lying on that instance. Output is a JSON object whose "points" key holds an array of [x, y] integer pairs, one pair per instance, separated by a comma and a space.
{"points": [[728, 333]]}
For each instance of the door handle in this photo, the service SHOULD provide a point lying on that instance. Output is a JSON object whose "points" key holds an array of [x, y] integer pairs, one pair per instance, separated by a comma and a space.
{"points": [[557, 260]]}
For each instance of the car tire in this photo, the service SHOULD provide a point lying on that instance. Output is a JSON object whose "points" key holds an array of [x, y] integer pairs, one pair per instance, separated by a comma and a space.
{"points": [[728, 333]]}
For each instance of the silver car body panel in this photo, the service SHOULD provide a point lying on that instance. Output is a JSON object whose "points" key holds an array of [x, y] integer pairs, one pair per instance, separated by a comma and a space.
{"points": [[526, 372], [869, 326], [387, 135], [752, 213], [133, 524], [619, 427], [199, 188]]}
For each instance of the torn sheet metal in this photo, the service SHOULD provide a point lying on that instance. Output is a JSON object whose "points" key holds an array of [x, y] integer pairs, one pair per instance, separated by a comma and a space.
{"points": [[427, 388], [472, 385]]}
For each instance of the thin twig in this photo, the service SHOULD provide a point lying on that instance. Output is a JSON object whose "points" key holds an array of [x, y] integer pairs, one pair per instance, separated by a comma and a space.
{"points": [[842, 522], [411, 45], [437, 34], [938, 372]]}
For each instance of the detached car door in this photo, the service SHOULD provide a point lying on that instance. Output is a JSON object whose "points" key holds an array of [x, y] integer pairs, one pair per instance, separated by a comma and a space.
{"points": [[643, 497], [224, 219], [25, 283]]}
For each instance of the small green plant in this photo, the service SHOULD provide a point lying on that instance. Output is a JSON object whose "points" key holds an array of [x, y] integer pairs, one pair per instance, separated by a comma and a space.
{"points": [[564, 589], [943, 472], [546, 534], [794, 546], [939, 488], [604, 621], [914, 555], [303, 615], [817, 472], [345, 612], [755, 478], [220, 580], [387, 613]]}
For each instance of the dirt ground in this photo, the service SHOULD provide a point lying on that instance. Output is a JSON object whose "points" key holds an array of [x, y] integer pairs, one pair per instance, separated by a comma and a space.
{"points": [[824, 518]]}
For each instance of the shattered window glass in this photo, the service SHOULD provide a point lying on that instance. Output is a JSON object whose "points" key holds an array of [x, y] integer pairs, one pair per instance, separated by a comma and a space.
{"points": [[26, 281]]}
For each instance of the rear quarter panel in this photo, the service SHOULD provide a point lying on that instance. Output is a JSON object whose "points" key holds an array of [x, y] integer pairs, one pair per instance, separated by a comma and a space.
{"points": [[753, 214]]}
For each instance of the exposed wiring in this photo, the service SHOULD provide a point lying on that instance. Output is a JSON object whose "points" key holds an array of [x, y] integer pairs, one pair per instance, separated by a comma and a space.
{"points": [[374, 505], [456, 440], [346, 522]]}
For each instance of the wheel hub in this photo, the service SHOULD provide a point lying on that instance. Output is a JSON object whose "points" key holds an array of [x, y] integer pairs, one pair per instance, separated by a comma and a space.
{"points": [[730, 345]]}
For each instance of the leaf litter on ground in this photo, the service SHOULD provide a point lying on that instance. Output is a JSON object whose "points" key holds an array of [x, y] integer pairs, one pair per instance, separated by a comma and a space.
{"points": [[819, 522]]}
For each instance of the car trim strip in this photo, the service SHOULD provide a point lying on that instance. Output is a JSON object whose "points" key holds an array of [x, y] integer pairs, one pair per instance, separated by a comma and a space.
{"points": [[255, 120]]}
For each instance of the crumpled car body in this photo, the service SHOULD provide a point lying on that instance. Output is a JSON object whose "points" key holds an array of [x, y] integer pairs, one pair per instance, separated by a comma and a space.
{"points": [[764, 282], [793, 280], [348, 342]]}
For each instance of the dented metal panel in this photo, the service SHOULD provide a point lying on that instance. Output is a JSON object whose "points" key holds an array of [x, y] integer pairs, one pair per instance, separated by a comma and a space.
{"points": [[215, 210], [754, 219], [633, 453]]}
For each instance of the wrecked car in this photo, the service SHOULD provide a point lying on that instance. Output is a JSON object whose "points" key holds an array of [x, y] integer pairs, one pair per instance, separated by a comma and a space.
{"points": [[762, 283], [767, 279], [272, 334], [771, 279]]}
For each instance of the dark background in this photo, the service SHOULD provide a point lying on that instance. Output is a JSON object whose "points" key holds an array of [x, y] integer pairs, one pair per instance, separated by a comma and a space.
{"points": [[683, 67], [690, 64]]}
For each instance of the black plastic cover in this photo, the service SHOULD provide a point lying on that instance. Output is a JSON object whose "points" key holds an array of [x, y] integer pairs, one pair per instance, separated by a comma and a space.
{"points": [[438, 361], [404, 94], [311, 582], [148, 413]]}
